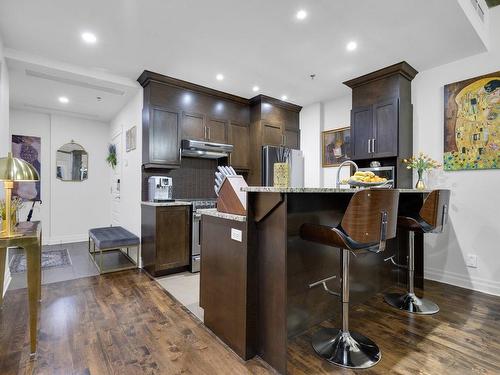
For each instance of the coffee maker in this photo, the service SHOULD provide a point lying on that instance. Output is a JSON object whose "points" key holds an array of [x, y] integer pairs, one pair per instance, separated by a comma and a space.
{"points": [[160, 189]]}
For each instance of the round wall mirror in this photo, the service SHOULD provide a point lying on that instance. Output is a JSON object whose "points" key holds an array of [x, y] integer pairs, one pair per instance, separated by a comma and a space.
{"points": [[72, 162]]}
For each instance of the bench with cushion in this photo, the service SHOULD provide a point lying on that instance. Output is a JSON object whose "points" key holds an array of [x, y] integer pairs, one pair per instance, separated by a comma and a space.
{"points": [[113, 239]]}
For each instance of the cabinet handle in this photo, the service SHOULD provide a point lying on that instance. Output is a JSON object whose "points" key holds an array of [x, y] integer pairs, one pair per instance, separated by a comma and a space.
{"points": [[373, 145], [205, 132], [369, 146], [180, 154]]}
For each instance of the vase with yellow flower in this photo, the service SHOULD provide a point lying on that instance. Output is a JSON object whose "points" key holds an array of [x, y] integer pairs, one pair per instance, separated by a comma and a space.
{"points": [[421, 163], [15, 206]]}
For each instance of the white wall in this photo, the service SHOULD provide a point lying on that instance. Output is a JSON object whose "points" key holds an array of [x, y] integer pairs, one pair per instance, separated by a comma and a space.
{"points": [[310, 143], [130, 190], [4, 127], [474, 227], [314, 119], [69, 209]]}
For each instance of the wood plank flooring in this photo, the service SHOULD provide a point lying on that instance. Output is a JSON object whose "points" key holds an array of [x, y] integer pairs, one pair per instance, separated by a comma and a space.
{"points": [[124, 323]]}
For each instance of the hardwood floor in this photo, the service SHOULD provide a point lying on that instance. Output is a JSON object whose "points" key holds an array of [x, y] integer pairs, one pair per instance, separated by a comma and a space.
{"points": [[124, 323]]}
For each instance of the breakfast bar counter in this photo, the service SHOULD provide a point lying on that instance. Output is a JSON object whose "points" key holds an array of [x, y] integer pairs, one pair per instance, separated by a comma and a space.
{"points": [[286, 264]]}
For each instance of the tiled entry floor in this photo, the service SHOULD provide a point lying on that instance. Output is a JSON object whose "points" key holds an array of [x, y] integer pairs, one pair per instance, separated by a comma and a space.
{"points": [[185, 287], [81, 266]]}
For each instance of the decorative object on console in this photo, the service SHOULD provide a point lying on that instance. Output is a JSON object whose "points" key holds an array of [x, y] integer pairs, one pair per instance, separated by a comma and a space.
{"points": [[472, 124], [421, 163], [15, 205], [112, 159], [14, 169], [27, 148], [131, 139], [72, 162], [336, 146], [281, 169]]}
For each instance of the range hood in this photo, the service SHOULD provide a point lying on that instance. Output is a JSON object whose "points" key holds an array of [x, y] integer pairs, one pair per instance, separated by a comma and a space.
{"points": [[206, 150]]}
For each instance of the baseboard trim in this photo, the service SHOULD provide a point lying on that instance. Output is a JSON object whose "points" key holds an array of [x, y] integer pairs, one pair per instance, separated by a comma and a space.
{"points": [[67, 239], [463, 281]]}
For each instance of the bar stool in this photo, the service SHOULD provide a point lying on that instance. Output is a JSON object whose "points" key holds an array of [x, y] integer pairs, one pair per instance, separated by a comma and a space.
{"points": [[431, 218], [369, 221]]}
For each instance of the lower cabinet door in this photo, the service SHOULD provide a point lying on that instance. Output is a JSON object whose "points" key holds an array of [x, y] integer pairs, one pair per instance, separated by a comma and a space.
{"points": [[172, 237]]}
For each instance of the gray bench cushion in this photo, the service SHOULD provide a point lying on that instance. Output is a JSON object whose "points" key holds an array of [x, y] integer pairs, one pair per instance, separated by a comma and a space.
{"points": [[113, 237]]}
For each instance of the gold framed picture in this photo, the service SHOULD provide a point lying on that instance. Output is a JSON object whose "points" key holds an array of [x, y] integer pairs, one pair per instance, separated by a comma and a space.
{"points": [[131, 139], [336, 146]]}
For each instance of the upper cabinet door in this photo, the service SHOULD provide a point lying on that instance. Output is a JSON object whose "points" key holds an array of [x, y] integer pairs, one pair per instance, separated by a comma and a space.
{"points": [[193, 126], [239, 137], [385, 129], [361, 132], [272, 135], [164, 137], [292, 139], [217, 131]]}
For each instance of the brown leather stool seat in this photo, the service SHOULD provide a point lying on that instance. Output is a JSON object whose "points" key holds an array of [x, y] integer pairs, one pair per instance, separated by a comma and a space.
{"points": [[369, 221], [431, 218]]}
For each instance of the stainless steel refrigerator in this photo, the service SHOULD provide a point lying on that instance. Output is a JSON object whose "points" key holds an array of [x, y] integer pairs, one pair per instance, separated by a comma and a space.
{"points": [[296, 162]]}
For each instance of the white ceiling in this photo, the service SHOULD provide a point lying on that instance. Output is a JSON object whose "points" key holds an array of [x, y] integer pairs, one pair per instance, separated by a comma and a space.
{"points": [[257, 42]]}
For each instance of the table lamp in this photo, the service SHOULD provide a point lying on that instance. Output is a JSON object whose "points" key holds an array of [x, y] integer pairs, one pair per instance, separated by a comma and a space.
{"points": [[14, 169]]}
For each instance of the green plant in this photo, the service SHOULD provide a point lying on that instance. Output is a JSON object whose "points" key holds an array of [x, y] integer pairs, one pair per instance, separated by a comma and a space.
{"points": [[111, 159]]}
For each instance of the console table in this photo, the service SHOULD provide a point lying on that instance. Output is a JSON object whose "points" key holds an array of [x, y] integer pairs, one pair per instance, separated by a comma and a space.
{"points": [[28, 235]]}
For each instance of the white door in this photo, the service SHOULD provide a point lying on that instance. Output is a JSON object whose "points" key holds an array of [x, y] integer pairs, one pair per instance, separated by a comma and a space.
{"points": [[116, 175]]}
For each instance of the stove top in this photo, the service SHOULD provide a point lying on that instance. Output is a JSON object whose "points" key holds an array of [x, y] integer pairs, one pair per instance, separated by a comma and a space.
{"points": [[201, 203]]}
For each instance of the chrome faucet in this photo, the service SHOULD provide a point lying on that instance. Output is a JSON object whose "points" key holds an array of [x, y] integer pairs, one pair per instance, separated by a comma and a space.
{"points": [[347, 162]]}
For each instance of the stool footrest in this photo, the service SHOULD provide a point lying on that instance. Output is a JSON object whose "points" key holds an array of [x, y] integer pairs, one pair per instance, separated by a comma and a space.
{"points": [[325, 287]]}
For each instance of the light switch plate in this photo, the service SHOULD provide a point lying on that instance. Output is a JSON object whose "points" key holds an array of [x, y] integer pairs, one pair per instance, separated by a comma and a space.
{"points": [[236, 234], [471, 260]]}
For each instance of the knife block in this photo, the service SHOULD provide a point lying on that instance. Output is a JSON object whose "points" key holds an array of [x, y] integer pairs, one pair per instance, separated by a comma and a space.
{"points": [[231, 199]]}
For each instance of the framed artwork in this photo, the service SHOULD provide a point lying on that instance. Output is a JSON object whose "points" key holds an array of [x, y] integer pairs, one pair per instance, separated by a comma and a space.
{"points": [[28, 149], [472, 124], [336, 146], [131, 139]]}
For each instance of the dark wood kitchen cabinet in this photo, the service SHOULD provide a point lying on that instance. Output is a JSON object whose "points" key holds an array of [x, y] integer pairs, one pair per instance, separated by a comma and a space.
{"points": [[198, 127], [193, 126], [166, 238], [272, 134], [239, 137], [161, 138], [374, 130], [382, 119], [292, 139], [217, 130]]}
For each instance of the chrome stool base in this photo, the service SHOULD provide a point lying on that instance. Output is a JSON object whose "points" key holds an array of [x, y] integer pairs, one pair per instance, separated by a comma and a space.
{"points": [[346, 349], [411, 303]]}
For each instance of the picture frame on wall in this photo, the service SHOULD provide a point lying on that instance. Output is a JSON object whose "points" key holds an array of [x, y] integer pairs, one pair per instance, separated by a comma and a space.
{"points": [[29, 149], [131, 139], [472, 124], [335, 146]]}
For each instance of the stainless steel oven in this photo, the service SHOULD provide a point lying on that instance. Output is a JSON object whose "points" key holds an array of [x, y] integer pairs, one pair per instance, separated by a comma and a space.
{"points": [[196, 230]]}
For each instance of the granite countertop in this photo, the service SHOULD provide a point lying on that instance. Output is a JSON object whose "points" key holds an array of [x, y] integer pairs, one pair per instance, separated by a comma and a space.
{"points": [[271, 189], [222, 215], [166, 204]]}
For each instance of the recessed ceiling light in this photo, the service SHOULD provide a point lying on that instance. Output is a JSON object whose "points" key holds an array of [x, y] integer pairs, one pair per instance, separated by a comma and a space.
{"points": [[351, 46], [89, 38], [63, 99], [284, 97], [255, 88], [219, 77], [301, 14]]}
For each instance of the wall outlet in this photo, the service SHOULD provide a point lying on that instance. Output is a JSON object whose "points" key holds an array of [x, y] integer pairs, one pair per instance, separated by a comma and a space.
{"points": [[236, 234], [471, 260]]}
